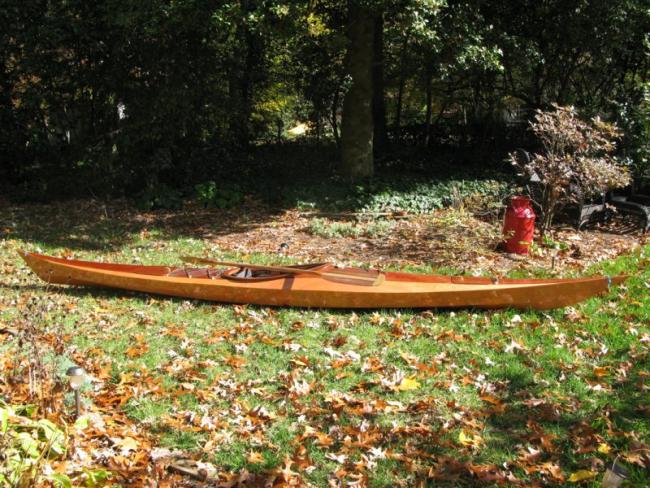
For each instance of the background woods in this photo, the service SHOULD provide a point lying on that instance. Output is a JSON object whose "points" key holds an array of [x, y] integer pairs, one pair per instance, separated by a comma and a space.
{"points": [[117, 97]]}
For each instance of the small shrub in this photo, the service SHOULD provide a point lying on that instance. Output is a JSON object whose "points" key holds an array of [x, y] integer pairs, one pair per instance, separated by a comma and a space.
{"points": [[379, 228], [461, 233], [330, 230], [211, 195], [159, 197], [576, 162], [552, 244]]}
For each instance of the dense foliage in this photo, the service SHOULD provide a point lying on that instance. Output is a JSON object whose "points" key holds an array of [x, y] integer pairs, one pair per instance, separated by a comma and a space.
{"points": [[400, 195], [120, 97]]}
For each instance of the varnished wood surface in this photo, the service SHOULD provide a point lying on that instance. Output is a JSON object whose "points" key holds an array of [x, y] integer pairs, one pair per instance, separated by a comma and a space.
{"points": [[399, 290]]}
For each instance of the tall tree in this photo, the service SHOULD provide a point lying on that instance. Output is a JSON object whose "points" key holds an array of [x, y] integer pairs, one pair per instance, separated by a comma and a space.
{"points": [[246, 70], [357, 124]]}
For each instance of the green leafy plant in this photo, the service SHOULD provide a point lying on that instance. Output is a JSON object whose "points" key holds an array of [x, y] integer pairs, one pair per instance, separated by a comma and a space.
{"points": [[405, 194], [425, 197], [26, 445], [552, 244], [329, 230], [96, 477], [212, 195]]}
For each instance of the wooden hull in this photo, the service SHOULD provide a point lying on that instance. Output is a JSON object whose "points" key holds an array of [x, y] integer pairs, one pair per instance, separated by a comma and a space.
{"points": [[399, 290]]}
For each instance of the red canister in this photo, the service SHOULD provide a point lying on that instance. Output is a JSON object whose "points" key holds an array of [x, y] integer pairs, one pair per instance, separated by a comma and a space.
{"points": [[519, 225]]}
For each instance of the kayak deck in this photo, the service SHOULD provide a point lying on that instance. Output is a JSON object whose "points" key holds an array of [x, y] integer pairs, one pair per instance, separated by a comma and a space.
{"points": [[398, 290]]}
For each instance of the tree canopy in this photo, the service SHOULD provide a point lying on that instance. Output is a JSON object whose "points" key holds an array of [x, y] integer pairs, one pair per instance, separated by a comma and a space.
{"points": [[122, 95]]}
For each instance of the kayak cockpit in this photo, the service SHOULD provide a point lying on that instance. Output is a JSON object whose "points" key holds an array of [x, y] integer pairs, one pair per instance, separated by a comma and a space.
{"points": [[200, 273], [239, 274]]}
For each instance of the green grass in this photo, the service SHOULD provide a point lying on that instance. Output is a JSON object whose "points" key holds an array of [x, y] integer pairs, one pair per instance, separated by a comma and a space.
{"points": [[548, 396]]}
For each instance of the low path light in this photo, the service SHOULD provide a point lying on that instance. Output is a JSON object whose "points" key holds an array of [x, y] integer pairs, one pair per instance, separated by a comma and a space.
{"points": [[76, 376], [614, 476]]}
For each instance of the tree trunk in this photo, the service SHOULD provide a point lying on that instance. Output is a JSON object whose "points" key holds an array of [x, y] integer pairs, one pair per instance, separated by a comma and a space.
{"points": [[242, 80], [378, 101], [429, 102], [548, 210], [357, 126], [334, 114]]}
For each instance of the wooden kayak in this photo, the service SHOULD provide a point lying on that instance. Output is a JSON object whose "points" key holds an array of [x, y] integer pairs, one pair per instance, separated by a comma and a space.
{"points": [[397, 290]]}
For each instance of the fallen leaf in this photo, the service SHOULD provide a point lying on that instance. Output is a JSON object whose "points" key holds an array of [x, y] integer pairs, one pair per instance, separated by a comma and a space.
{"points": [[409, 383], [491, 399], [581, 475], [337, 458], [469, 440], [255, 458], [514, 346], [125, 445], [599, 371], [604, 448], [188, 386]]}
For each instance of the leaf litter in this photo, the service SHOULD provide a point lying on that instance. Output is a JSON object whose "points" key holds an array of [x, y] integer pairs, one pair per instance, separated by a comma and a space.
{"points": [[348, 399]]}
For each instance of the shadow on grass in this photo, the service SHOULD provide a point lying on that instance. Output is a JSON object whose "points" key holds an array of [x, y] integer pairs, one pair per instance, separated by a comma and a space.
{"points": [[89, 226], [270, 185], [81, 291]]}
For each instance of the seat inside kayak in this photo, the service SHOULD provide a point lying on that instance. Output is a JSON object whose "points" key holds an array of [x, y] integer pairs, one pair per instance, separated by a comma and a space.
{"points": [[238, 274]]}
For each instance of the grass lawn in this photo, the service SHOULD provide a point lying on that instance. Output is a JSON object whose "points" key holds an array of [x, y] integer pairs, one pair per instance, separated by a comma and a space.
{"points": [[383, 398]]}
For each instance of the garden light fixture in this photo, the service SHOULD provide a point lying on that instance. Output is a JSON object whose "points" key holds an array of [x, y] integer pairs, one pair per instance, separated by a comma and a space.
{"points": [[614, 476], [76, 376]]}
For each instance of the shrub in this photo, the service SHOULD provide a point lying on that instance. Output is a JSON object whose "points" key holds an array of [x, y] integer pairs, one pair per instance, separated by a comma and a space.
{"points": [[329, 230], [379, 228], [411, 194], [576, 161], [211, 195], [160, 196]]}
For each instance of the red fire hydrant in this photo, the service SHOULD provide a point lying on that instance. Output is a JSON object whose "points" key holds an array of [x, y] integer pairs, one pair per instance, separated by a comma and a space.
{"points": [[519, 225]]}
